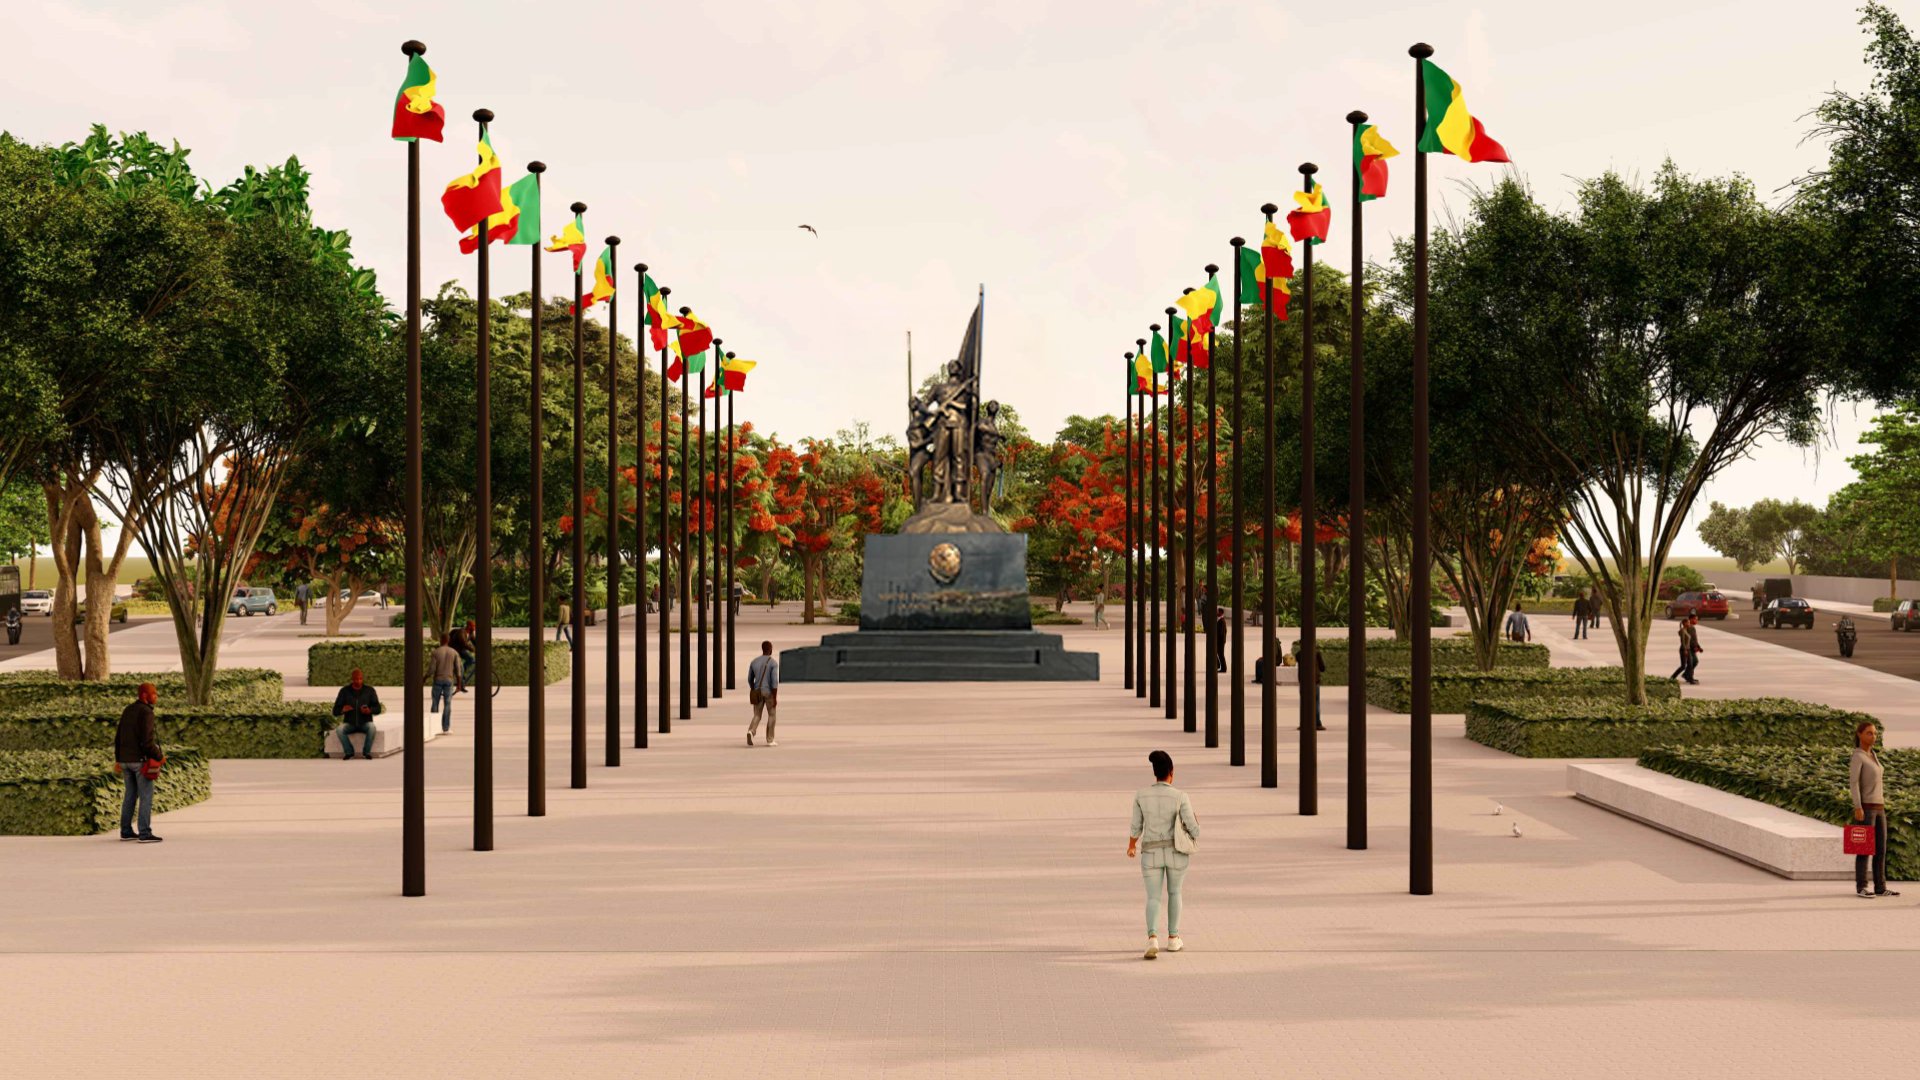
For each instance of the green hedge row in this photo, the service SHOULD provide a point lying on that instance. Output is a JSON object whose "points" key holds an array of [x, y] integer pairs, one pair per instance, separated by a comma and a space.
{"points": [[77, 793], [331, 663], [1885, 604], [283, 729], [1599, 728], [1449, 654], [1453, 690], [44, 689], [1810, 780]]}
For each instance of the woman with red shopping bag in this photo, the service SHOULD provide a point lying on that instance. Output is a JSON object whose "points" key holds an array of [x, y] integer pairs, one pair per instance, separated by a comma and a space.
{"points": [[1868, 840]]}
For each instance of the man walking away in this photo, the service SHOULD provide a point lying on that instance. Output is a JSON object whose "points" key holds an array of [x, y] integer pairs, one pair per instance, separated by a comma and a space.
{"points": [[1100, 611], [1581, 613], [356, 705], [446, 664], [763, 690], [302, 599], [1219, 639], [135, 743], [1517, 628]]}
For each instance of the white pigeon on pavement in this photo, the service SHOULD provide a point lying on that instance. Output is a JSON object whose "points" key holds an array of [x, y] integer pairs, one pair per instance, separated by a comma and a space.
{"points": [[1498, 809], [1516, 828]]}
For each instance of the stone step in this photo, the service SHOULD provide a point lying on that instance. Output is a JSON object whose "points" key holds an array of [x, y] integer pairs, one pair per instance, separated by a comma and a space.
{"points": [[1786, 843]]}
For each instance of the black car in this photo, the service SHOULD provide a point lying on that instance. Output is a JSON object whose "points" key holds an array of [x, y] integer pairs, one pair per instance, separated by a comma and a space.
{"points": [[1906, 615], [1787, 611]]}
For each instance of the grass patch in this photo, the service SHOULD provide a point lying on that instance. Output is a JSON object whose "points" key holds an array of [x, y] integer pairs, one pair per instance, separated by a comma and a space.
{"points": [[1454, 690], [1598, 728], [1449, 654]]}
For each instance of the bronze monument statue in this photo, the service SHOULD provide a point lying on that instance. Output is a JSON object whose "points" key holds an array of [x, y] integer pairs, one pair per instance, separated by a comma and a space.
{"points": [[953, 441]]}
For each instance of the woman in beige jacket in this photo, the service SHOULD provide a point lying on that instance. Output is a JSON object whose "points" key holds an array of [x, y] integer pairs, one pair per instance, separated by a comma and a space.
{"points": [[1866, 778]]}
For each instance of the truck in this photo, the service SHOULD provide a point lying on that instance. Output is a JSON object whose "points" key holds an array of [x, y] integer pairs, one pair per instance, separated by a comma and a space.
{"points": [[1769, 589]]}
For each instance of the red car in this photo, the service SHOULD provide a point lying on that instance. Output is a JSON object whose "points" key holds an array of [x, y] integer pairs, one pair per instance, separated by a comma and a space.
{"points": [[1707, 605]]}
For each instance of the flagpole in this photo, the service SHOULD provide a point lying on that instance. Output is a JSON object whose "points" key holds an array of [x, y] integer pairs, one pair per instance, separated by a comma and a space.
{"points": [[1237, 676], [1356, 531], [613, 503], [1188, 712], [640, 513], [1309, 526], [1420, 816], [536, 555], [1269, 650], [1139, 555], [1173, 586], [732, 555], [1126, 540], [719, 521], [1153, 542], [665, 721], [686, 581], [1213, 544], [578, 615], [413, 799], [701, 596], [483, 536]]}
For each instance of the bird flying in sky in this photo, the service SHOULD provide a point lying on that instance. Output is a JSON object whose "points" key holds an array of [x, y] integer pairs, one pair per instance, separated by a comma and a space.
{"points": [[811, 229]]}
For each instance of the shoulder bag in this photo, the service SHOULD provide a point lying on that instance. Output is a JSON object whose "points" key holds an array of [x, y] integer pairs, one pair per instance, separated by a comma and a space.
{"points": [[1182, 839]]}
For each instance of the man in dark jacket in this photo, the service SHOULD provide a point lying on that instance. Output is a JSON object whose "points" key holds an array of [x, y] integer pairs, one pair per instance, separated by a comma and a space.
{"points": [[356, 705], [135, 743]]}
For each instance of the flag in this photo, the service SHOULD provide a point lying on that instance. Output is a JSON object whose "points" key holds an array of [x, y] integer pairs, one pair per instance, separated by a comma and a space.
{"points": [[659, 319], [690, 346], [1196, 350], [415, 114], [511, 223], [1370, 154], [602, 279], [1309, 223], [1178, 334], [1199, 305], [732, 378], [1144, 376], [572, 238], [1451, 129], [1274, 251], [1219, 300], [475, 197], [1160, 358]]}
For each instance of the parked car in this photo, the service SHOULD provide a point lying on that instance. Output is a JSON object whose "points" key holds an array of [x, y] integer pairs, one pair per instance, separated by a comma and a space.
{"points": [[253, 601], [1785, 612], [1708, 605], [1906, 615], [118, 614], [37, 602]]}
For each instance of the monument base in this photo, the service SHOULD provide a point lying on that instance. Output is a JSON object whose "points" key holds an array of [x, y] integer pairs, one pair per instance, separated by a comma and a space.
{"points": [[939, 656]]}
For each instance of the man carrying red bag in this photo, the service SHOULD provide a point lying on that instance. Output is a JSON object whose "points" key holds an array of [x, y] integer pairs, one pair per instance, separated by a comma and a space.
{"points": [[136, 749]]}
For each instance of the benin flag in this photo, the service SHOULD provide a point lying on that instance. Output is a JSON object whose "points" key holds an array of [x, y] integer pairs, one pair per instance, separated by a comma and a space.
{"points": [[602, 279], [572, 238], [512, 223], [1143, 375], [1219, 301], [1451, 129], [1253, 271], [690, 346], [733, 377], [1370, 154], [659, 319], [1199, 305], [1196, 352], [475, 197], [415, 114], [1309, 223], [1160, 359]]}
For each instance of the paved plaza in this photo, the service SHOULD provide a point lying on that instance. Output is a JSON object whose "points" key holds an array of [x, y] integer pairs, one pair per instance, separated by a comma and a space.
{"points": [[931, 881]]}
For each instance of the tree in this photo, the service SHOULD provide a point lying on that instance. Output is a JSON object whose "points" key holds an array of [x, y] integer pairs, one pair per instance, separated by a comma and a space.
{"points": [[1729, 531], [1781, 528], [23, 525], [1878, 506]]}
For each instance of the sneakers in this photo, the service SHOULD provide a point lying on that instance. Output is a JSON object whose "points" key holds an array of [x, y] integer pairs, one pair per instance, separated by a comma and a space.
{"points": [[1153, 947], [749, 738], [148, 839], [1173, 943], [1865, 894], [129, 836], [1886, 892], [770, 742]]}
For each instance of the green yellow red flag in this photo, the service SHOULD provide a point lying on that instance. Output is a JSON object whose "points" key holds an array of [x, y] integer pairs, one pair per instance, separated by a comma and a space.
{"points": [[602, 279], [415, 114], [1309, 223], [690, 345], [518, 220], [1275, 257], [732, 378], [475, 197], [573, 237], [1370, 154], [1451, 129]]}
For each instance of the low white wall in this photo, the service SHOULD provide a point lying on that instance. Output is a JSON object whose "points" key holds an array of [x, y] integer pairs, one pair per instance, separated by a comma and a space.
{"points": [[1847, 590]]}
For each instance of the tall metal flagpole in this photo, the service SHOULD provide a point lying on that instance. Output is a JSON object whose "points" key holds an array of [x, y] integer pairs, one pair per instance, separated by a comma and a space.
{"points": [[715, 443], [640, 467], [1213, 542], [1269, 650], [1188, 710], [536, 553], [1126, 540], [1137, 451], [732, 556], [1153, 544], [613, 503], [665, 721], [579, 650], [686, 581], [1420, 816], [1356, 529], [483, 537], [413, 798], [1237, 675], [1173, 586], [1309, 521], [705, 504]]}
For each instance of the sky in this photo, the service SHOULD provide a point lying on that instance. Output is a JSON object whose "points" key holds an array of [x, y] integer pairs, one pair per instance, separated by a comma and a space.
{"points": [[1083, 161]]}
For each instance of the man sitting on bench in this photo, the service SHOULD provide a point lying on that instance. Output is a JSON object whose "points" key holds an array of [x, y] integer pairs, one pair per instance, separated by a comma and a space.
{"points": [[356, 705]]}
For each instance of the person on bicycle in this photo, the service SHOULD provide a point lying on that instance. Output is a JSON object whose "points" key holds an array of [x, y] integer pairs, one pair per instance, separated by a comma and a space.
{"points": [[462, 642]]}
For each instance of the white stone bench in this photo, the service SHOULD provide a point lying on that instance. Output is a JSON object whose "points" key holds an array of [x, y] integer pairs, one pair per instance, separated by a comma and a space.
{"points": [[1786, 843], [389, 734]]}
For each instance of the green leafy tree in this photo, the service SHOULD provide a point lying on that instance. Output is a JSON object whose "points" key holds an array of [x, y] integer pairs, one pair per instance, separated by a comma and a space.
{"points": [[1729, 531]]}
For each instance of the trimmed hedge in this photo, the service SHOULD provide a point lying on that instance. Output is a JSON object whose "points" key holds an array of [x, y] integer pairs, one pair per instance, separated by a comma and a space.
{"points": [[283, 729], [1597, 728], [77, 793], [44, 689], [1884, 605], [1810, 780], [331, 663], [1453, 690], [1449, 654]]}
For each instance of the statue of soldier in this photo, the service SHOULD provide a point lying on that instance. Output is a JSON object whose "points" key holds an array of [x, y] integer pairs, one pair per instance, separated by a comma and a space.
{"points": [[919, 447], [950, 438], [987, 444]]}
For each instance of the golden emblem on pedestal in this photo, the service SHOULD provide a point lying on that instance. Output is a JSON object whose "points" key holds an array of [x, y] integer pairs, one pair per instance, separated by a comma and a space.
{"points": [[944, 563]]}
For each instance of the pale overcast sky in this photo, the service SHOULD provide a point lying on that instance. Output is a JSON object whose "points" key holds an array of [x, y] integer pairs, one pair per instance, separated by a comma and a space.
{"points": [[1082, 160]]}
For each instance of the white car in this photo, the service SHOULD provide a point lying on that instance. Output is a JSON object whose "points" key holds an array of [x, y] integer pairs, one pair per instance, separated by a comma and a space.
{"points": [[37, 602]]}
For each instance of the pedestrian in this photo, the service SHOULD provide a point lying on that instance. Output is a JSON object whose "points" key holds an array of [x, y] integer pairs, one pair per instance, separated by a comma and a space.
{"points": [[1689, 650], [136, 754], [1866, 779], [1581, 612], [738, 593], [470, 634], [356, 705], [302, 599], [1517, 628], [763, 691], [1100, 611], [1320, 666], [1219, 639], [563, 626], [1162, 836], [446, 666]]}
